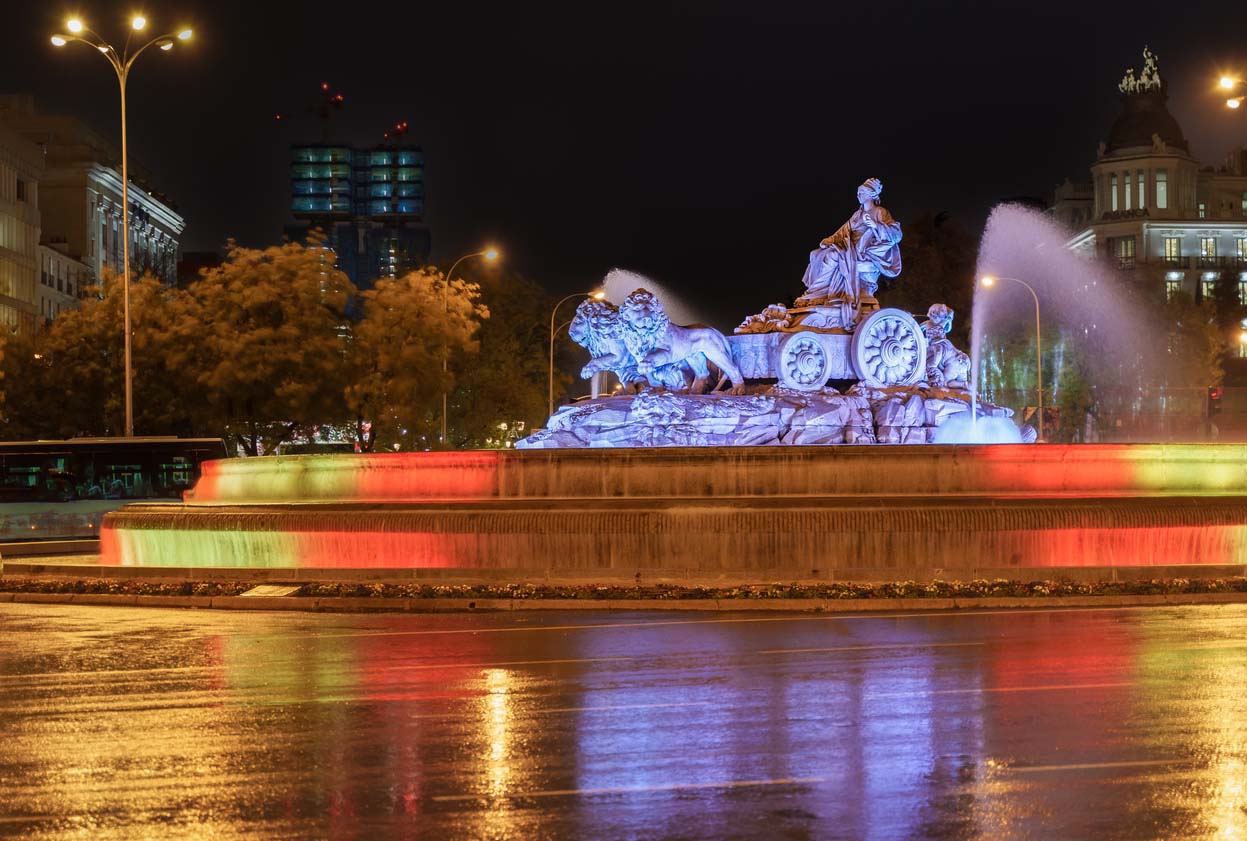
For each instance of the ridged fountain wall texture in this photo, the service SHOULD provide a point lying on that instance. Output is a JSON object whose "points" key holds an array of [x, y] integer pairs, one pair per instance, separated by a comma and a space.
{"points": [[709, 513]]}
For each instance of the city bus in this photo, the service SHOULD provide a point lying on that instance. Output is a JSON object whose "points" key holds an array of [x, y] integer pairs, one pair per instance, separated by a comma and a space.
{"points": [[53, 490]]}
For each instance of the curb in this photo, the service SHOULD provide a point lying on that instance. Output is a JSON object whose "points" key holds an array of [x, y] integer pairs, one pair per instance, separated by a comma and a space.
{"points": [[436, 605]]}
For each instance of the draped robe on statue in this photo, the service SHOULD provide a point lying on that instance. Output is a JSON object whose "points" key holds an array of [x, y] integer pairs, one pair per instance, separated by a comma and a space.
{"points": [[853, 258]]}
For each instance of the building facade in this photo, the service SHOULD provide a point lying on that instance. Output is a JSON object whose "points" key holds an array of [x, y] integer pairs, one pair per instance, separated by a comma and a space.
{"points": [[62, 280], [1152, 208], [368, 202], [80, 195], [21, 167]]}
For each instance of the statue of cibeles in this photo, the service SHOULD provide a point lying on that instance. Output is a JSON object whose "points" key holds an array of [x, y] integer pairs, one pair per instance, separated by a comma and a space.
{"points": [[849, 262]]}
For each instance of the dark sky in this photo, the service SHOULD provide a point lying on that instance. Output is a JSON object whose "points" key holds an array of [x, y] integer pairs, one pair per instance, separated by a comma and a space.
{"points": [[708, 144]]}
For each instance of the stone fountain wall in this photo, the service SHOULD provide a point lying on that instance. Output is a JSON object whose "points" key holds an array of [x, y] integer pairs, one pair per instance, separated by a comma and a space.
{"points": [[729, 514]]}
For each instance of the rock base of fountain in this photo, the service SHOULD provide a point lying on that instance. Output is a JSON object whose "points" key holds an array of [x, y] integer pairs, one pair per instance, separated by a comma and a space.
{"points": [[769, 416]]}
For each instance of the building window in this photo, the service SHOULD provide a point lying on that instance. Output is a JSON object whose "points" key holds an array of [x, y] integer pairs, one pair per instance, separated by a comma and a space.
{"points": [[1125, 177], [1173, 284], [22, 192], [1173, 249], [1208, 286], [1124, 249], [1240, 248], [1142, 199], [1207, 246], [1112, 188], [1203, 210], [1162, 188], [1242, 289], [1244, 205]]}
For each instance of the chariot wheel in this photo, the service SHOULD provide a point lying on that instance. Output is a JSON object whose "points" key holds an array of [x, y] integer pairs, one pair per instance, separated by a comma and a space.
{"points": [[801, 362], [889, 349]]}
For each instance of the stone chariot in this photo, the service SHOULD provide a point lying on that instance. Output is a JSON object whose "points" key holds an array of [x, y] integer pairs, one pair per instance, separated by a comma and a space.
{"points": [[805, 347]]}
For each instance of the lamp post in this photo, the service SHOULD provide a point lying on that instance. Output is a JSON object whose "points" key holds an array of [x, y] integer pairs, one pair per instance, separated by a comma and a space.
{"points": [[121, 62], [990, 281], [599, 295], [1230, 84], [490, 254]]}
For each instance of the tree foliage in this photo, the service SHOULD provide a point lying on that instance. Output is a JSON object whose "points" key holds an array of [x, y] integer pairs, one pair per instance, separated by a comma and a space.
{"points": [[412, 328], [506, 380], [261, 341]]}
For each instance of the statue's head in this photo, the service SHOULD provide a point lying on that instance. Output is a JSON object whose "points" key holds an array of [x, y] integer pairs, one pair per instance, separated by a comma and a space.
{"points": [[595, 323], [941, 315], [643, 318], [870, 190]]}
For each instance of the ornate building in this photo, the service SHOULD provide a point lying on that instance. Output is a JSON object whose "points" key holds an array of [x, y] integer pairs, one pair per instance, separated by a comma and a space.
{"points": [[1151, 207], [80, 196]]}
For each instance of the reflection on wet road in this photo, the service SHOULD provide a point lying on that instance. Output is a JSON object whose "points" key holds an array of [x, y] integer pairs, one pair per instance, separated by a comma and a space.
{"points": [[124, 723]]}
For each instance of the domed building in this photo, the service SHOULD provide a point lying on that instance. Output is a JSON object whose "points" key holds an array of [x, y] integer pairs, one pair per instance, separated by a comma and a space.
{"points": [[1151, 207]]}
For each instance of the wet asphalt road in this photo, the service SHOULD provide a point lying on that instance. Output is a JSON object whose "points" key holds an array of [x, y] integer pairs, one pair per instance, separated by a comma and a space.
{"points": [[138, 723]]}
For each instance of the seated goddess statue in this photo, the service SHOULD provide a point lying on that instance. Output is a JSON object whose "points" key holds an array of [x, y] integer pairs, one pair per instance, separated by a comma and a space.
{"points": [[850, 261]]}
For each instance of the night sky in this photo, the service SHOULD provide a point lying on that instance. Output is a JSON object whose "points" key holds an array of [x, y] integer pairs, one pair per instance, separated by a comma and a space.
{"points": [[709, 145]]}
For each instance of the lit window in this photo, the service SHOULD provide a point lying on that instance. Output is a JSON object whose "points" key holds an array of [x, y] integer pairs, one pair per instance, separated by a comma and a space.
{"points": [[1208, 286], [1244, 205], [1142, 199], [1173, 284], [1203, 210], [1240, 246], [1173, 249], [1112, 182], [1207, 246], [1162, 188], [1126, 184], [1242, 289]]}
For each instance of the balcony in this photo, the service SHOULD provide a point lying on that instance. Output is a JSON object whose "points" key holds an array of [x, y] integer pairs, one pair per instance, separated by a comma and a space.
{"points": [[1177, 262], [1125, 262], [1209, 262]]}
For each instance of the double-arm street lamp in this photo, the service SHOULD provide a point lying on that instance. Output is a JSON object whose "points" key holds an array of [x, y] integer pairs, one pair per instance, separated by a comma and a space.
{"points": [[1232, 86], [599, 295], [121, 62], [490, 254], [989, 281]]}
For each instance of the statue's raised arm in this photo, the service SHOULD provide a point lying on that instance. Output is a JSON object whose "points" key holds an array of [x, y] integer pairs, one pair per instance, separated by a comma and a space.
{"points": [[849, 262]]}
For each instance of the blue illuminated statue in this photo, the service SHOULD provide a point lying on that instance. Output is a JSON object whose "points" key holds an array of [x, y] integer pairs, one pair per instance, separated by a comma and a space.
{"points": [[847, 265]]}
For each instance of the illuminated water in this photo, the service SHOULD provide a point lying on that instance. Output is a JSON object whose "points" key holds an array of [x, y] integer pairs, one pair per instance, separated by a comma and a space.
{"points": [[620, 283], [1082, 301]]}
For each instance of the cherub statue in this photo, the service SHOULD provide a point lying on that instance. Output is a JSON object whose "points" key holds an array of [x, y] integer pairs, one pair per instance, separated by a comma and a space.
{"points": [[947, 367]]}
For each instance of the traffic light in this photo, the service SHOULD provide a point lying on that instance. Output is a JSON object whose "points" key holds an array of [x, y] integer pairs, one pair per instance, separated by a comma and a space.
{"points": [[1214, 399]]}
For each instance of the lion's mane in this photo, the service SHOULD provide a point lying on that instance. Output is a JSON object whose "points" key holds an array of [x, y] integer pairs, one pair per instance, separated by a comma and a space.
{"points": [[645, 322]]}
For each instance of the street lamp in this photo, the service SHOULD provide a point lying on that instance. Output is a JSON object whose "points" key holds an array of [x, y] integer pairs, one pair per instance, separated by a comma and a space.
{"points": [[490, 254], [599, 295], [121, 63], [1231, 83], [989, 281]]}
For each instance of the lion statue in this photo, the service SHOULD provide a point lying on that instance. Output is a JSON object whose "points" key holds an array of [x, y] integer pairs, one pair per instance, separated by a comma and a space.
{"points": [[597, 328], [656, 343], [947, 367]]}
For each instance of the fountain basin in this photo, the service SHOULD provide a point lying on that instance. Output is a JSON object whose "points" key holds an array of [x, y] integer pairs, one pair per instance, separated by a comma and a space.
{"points": [[722, 514]]}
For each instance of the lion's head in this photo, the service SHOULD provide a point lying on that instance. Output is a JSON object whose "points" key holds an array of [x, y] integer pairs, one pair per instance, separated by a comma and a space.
{"points": [[644, 322], [596, 327]]}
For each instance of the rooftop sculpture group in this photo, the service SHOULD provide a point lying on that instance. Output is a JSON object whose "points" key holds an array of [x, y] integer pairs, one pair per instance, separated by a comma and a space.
{"points": [[768, 383]]}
